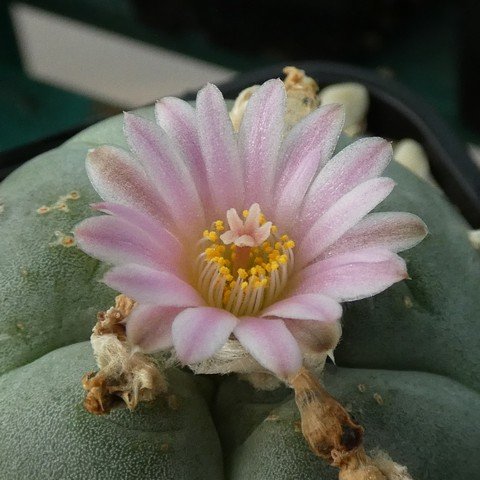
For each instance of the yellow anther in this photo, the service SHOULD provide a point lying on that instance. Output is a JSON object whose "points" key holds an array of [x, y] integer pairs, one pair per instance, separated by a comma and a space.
{"points": [[261, 283], [205, 233], [212, 236], [224, 271], [258, 260], [274, 266], [229, 278], [233, 284], [282, 259], [274, 229], [278, 245], [262, 219], [284, 238], [242, 273], [260, 270], [289, 244], [219, 226], [245, 213], [274, 255], [244, 285]]}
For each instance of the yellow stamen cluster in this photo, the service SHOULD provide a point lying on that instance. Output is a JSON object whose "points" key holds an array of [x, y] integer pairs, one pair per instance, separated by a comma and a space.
{"points": [[243, 279]]}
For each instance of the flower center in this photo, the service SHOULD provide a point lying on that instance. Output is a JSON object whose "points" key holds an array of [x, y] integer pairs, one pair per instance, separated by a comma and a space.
{"points": [[244, 269]]}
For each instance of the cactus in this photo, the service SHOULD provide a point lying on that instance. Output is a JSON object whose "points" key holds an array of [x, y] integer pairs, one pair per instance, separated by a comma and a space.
{"points": [[408, 360]]}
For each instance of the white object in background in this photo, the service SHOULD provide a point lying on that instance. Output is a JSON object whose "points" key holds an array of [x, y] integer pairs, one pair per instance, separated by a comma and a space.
{"points": [[412, 155], [474, 237], [474, 151], [104, 65], [354, 97]]}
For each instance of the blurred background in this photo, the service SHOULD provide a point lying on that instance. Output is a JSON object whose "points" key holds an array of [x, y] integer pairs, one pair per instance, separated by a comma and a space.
{"points": [[65, 64]]}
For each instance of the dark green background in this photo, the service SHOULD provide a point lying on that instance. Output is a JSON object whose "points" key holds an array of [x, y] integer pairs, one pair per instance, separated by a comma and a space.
{"points": [[422, 55]]}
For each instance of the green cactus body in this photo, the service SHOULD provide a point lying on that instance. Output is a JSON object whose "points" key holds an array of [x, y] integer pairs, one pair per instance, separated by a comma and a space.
{"points": [[411, 352]]}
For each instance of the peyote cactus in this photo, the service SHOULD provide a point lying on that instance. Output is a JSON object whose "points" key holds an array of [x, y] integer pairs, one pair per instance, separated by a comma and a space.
{"points": [[406, 370]]}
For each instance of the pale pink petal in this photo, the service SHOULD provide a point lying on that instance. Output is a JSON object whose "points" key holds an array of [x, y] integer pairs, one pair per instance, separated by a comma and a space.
{"points": [[178, 119], [362, 160], [167, 171], [353, 281], [114, 240], [220, 152], [396, 231], [307, 148], [253, 218], [310, 306], [313, 336], [154, 287], [234, 221], [119, 179], [271, 344], [245, 241], [150, 327], [361, 255], [199, 332], [228, 237], [260, 137], [145, 222], [262, 233], [342, 216]]}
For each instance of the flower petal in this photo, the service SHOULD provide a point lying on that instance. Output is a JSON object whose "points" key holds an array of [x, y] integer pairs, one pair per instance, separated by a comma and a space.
{"points": [[309, 306], [219, 149], [114, 240], [342, 216], [167, 170], [145, 222], [308, 147], [349, 281], [150, 286], [271, 344], [396, 231], [259, 140], [313, 336], [362, 160], [177, 118], [199, 332], [119, 179], [362, 255], [150, 327]]}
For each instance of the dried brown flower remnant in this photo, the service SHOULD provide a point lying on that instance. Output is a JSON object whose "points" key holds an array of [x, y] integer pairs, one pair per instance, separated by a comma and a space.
{"points": [[302, 95], [126, 376], [332, 434], [326, 424], [302, 98]]}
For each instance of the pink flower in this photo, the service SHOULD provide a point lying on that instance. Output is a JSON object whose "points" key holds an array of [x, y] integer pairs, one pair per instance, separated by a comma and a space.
{"points": [[202, 268]]}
